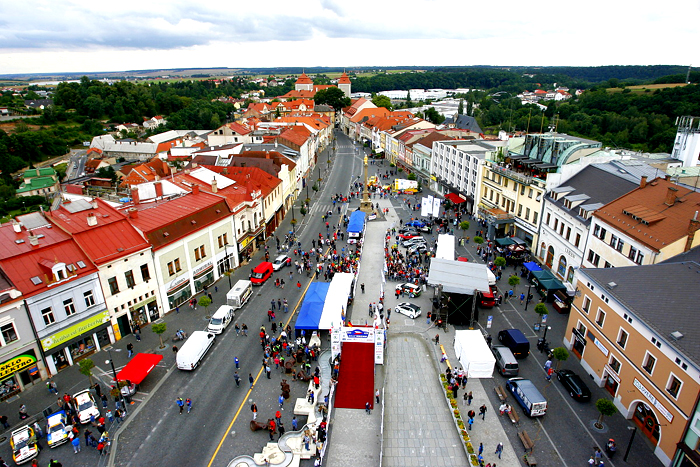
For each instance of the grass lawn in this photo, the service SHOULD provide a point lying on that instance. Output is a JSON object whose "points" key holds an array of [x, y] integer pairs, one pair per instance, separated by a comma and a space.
{"points": [[644, 87]]}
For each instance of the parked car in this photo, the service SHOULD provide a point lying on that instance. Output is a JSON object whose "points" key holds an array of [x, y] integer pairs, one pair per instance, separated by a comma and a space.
{"points": [[409, 289], [408, 234], [408, 309], [23, 444], [413, 241], [575, 385], [85, 406], [415, 223], [56, 433], [281, 261], [418, 248]]}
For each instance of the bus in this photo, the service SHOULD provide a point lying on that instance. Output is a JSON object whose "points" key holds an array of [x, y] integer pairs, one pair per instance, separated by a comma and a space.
{"points": [[356, 226]]}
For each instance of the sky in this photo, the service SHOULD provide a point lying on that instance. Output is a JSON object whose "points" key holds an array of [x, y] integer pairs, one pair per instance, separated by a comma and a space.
{"points": [[38, 36]]}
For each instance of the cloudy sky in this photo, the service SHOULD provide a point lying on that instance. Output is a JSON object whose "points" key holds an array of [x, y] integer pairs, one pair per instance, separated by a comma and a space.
{"points": [[42, 36]]}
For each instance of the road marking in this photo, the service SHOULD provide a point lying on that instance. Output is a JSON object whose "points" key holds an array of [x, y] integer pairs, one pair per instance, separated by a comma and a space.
{"points": [[552, 443]]}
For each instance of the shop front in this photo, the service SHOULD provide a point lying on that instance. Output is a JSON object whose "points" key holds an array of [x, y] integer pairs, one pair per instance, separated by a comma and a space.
{"points": [[203, 276], [179, 291], [579, 343], [72, 344], [17, 373], [145, 311]]}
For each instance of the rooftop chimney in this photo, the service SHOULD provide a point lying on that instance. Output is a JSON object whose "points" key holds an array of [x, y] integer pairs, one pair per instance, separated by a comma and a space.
{"points": [[214, 186], [195, 165], [671, 196], [693, 227], [643, 182], [91, 220], [135, 195], [159, 189], [195, 189], [225, 171], [16, 226], [33, 240], [133, 213], [667, 177]]}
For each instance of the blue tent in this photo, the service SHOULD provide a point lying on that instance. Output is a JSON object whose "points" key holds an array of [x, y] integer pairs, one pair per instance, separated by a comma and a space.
{"points": [[312, 306], [532, 266]]}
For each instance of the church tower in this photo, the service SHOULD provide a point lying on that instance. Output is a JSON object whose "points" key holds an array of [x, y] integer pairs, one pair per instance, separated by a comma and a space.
{"points": [[304, 83], [344, 84]]}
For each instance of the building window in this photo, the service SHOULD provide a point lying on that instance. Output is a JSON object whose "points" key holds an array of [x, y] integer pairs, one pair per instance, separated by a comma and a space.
{"points": [[534, 217], [578, 240], [89, 298], [673, 387], [520, 210], [649, 362], [199, 253], [69, 306], [522, 189], [130, 282], [622, 338], [614, 364], [568, 233], [586, 304], [549, 217], [529, 193], [570, 275], [9, 334], [47, 314], [593, 258], [556, 224], [633, 253], [145, 273], [113, 285], [223, 240], [174, 266], [640, 258], [561, 268], [600, 319]]}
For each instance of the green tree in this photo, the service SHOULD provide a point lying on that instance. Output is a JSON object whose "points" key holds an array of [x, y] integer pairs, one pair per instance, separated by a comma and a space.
{"points": [[411, 176], [478, 240], [159, 328], [107, 172], [205, 302], [541, 309], [500, 261], [434, 116], [513, 281], [460, 109], [561, 354], [382, 101], [464, 225], [86, 365], [333, 97], [409, 102], [606, 408]]}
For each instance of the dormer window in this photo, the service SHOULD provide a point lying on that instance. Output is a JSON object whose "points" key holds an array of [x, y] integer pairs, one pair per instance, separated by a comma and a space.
{"points": [[60, 271]]}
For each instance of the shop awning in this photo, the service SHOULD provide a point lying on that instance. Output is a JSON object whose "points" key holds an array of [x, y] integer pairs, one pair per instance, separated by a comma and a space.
{"points": [[505, 241], [455, 198], [139, 367], [532, 266], [312, 307], [547, 280]]}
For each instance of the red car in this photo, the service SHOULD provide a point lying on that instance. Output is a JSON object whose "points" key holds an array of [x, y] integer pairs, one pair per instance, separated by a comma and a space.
{"points": [[409, 234]]}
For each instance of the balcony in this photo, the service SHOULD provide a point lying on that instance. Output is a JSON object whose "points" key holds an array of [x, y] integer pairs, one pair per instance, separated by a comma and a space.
{"points": [[494, 214], [512, 174]]}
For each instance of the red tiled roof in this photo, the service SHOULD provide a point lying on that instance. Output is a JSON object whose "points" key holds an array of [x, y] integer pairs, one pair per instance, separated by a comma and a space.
{"points": [[301, 94], [370, 113], [165, 222], [296, 134], [238, 128], [344, 79], [111, 238], [644, 215], [303, 79]]}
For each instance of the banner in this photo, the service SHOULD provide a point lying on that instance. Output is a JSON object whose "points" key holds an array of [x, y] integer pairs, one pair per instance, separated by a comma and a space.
{"points": [[436, 207], [426, 207]]}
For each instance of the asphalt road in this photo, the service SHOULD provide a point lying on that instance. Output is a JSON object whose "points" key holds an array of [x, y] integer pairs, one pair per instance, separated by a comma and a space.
{"points": [[158, 435]]}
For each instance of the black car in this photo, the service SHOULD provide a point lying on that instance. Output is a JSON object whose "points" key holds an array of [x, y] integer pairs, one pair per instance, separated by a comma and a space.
{"points": [[574, 384]]}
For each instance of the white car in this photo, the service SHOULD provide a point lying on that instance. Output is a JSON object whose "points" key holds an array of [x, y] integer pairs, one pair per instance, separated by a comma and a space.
{"points": [[56, 433], [85, 406], [23, 450], [408, 309], [281, 261]]}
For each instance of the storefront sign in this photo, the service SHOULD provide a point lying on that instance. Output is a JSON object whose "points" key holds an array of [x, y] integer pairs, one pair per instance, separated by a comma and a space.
{"points": [[16, 364], [176, 283], [667, 415], [203, 269], [143, 303], [75, 330], [578, 336], [245, 242], [357, 335], [601, 347], [379, 347]]}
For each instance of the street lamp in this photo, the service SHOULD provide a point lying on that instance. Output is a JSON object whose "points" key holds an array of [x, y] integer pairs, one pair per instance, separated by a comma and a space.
{"points": [[629, 446], [116, 381], [228, 265], [544, 336], [527, 297]]}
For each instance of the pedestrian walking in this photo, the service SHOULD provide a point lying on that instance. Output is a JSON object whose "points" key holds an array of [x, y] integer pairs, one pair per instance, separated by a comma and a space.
{"points": [[499, 450], [137, 333], [481, 448], [130, 349], [76, 444], [295, 425], [298, 285], [281, 401], [180, 404], [470, 421], [368, 408], [482, 412], [272, 304], [238, 329], [251, 379], [278, 417], [522, 298], [244, 330], [188, 403], [51, 386], [237, 362], [430, 315], [268, 370], [254, 409], [437, 339], [237, 378], [3, 420], [376, 395], [281, 429]]}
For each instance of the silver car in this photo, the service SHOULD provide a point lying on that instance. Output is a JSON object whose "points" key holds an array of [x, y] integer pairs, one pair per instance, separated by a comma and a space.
{"points": [[408, 309]]}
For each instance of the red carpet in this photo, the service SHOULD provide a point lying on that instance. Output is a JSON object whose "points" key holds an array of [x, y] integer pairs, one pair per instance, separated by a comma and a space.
{"points": [[356, 380]]}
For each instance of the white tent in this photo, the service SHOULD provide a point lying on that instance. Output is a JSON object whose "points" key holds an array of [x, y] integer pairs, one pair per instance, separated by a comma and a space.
{"points": [[458, 277], [445, 247], [336, 300], [474, 354]]}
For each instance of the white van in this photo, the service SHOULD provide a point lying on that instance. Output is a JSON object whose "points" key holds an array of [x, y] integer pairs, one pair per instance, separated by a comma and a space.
{"points": [[221, 319], [239, 294], [194, 349]]}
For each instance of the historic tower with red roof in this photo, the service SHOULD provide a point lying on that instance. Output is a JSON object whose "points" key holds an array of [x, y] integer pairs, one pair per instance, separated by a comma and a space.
{"points": [[344, 84]]}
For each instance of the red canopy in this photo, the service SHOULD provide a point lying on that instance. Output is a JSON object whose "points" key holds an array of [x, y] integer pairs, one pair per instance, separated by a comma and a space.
{"points": [[455, 198], [139, 367]]}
